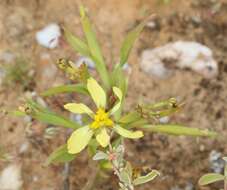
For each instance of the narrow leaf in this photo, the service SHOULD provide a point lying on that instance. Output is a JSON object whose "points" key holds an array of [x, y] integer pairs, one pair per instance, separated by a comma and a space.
{"points": [[210, 178], [144, 179], [130, 117], [60, 155], [178, 130], [129, 41], [94, 48], [17, 113], [77, 44], [54, 119], [45, 115], [125, 176], [79, 88]]}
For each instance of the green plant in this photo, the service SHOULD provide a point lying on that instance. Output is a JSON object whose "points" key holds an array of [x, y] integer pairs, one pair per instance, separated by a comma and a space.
{"points": [[214, 177], [18, 73], [107, 127]]}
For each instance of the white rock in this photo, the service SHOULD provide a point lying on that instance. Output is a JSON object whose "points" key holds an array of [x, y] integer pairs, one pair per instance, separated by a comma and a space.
{"points": [[10, 178], [35, 178], [77, 118], [217, 164], [151, 25], [49, 36], [183, 54], [164, 119], [86, 60], [24, 147]]}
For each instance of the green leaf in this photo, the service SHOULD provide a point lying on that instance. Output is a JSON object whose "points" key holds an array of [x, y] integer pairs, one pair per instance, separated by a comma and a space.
{"points": [[144, 179], [125, 176], [45, 115], [37, 107], [129, 169], [129, 41], [77, 44], [92, 147], [79, 88], [94, 48], [210, 178], [17, 113], [178, 130], [130, 117], [54, 119], [60, 155], [100, 156]]}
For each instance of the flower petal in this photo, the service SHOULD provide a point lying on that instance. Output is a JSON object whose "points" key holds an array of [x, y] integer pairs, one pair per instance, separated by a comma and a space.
{"points": [[119, 94], [79, 140], [78, 108], [128, 134], [97, 93], [103, 138]]}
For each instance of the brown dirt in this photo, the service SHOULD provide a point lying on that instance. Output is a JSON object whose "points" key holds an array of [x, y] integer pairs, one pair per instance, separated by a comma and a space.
{"points": [[180, 159]]}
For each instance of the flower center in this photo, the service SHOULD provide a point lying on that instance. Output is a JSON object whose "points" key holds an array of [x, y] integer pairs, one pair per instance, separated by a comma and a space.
{"points": [[101, 119]]}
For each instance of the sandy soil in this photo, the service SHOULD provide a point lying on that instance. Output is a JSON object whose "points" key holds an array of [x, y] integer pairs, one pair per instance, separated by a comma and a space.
{"points": [[181, 160]]}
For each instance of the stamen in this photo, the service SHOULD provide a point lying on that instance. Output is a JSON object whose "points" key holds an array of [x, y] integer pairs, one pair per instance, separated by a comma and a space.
{"points": [[101, 119]]}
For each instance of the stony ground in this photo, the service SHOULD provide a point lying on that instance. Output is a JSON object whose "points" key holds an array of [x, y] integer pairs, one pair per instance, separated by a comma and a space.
{"points": [[181, 160]]}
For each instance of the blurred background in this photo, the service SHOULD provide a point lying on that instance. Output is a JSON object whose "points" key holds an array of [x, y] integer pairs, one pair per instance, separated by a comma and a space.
{"points": [[187, 43]]}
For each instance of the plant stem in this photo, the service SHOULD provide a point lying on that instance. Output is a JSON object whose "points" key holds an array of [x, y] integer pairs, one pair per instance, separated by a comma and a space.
{"points": [[117, 168], [66, 172]]}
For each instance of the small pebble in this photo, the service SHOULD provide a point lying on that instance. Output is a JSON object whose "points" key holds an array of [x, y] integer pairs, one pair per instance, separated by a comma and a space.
{"points": [[127, 68], [24, 147], [51, 132], [35, 178], [151, 25], [77, 118], [164, 119], [10, 178], [86, 60], [49, 36], [216, 161]]}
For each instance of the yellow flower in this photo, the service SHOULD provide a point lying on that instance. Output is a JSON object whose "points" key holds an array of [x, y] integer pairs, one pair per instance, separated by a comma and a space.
{"points": [[101, 120]]}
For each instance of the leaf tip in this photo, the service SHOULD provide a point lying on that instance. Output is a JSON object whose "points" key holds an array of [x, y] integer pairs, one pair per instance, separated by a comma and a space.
{"points": [[82, 11]]}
